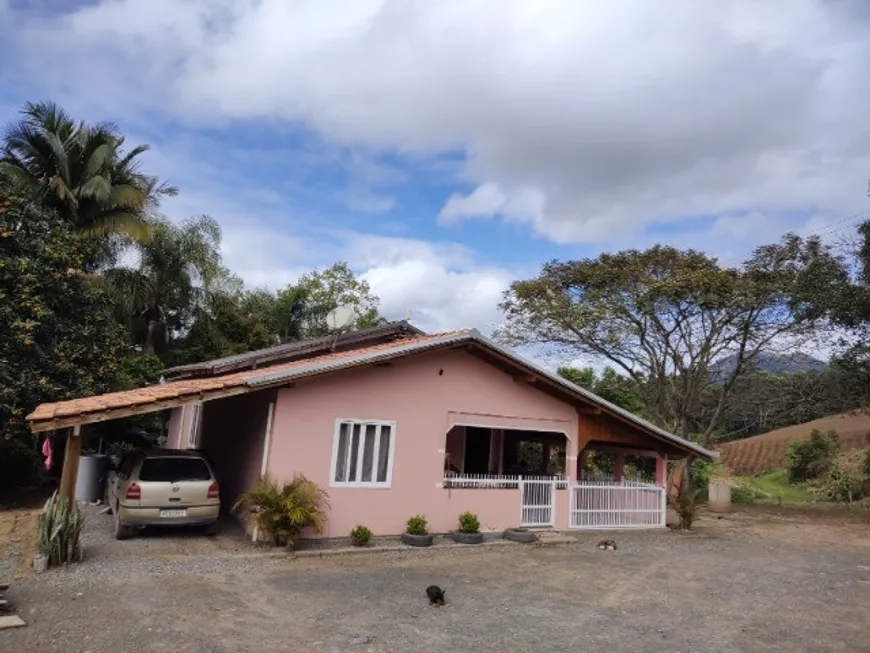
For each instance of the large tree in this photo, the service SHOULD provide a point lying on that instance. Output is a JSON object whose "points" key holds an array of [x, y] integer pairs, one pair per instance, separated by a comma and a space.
{"points": [[81, 171], [302, 307], [176, 267], [58, 337], [663, 316]]}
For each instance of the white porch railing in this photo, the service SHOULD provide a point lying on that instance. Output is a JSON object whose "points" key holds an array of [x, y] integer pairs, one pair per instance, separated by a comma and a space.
{"points": [[629, 504], [496, 481]]}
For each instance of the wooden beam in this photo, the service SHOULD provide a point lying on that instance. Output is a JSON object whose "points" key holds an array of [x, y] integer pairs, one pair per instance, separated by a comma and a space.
{"points": [[589, 410], [71, 457]]}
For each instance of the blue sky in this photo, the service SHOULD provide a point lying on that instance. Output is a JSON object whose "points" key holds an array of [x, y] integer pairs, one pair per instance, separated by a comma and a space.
{"points": [[445, 149]]}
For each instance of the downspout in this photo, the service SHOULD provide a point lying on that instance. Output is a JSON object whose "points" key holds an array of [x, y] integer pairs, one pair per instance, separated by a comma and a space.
{"points": [[267, 442]]}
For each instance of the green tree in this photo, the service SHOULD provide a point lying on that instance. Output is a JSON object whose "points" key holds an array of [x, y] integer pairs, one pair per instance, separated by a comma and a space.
{"points": [[610, 386], [302, 308], [662, 316], [176, 267], [58, 337], [81, 172]]}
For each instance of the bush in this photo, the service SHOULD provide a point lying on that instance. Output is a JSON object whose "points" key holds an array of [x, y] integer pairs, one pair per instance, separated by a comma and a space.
{"points": [[687, 507], [360, 535], [865, 464], [59, 530], [812, 458], [743, 494], [417, 525], [469, 523], [284, 511]]}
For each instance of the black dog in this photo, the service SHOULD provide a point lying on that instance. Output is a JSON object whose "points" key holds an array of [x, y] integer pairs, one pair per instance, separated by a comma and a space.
{"points": [[435, 594]]}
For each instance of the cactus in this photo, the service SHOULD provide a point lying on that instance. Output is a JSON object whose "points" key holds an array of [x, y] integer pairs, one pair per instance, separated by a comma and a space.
{"points": [[59, 530]]}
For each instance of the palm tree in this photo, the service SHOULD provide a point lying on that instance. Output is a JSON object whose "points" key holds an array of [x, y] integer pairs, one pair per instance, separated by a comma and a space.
{"points": [[80, 171], [176, 266]]}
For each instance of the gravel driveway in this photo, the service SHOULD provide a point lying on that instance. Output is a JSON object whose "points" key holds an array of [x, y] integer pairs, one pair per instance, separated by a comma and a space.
{"points": [[748, 583]]}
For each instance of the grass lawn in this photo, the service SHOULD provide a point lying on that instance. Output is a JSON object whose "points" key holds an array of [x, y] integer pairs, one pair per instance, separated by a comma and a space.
{"points": [[774, 486]]}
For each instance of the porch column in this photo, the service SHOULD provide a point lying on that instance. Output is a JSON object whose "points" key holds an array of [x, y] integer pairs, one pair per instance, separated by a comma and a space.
{"points": [[71, 457], [661, 469], [571, 460], [618, 466]]}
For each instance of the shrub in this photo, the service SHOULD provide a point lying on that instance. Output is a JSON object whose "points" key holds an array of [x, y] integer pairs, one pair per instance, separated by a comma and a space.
{"points": [[469, 523], [360, 535], [743, 494], [284, 511], [812, 458], [687, 507], [59, 530], [417, 525], [865, 464]]}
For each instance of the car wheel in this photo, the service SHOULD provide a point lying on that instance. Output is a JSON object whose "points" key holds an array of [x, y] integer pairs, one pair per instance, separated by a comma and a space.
{"points": [[121, 531]]}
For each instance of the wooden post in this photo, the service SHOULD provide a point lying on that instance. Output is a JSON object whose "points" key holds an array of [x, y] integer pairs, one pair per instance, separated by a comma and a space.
{"points": [[71, 457]]}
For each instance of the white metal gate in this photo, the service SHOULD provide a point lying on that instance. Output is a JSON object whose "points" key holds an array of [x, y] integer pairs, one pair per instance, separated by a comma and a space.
{"points": [[626, 504], [538, 501]]}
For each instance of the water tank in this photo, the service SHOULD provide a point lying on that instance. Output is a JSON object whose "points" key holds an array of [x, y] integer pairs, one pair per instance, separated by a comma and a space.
{"points": [[719, 497], [91, 478]]}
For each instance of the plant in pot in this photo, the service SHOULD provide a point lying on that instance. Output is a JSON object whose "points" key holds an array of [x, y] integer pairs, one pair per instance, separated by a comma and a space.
{"points": [[417, 532], [58, 533], [360, 535], [284, 511], [520, 534], [469, 529]]}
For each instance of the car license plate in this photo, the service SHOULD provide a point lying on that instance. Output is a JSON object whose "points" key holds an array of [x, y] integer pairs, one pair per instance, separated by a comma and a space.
{"points": [[173, 513]]}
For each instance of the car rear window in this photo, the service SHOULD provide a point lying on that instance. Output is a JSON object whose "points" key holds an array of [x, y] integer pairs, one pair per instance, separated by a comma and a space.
{"points": [[169, 470]]}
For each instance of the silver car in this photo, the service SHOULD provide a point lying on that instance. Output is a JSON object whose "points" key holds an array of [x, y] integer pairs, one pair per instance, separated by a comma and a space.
{"points": [[163, 487]]}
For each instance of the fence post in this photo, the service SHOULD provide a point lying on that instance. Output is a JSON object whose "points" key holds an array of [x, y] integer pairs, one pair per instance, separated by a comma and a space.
{"points": [[663, 505]]}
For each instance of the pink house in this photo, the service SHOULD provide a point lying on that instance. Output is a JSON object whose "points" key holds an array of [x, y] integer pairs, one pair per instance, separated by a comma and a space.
{"points": [[393, 422]]}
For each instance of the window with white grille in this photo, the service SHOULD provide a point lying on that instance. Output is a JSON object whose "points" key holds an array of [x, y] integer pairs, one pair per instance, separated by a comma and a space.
{"points": [[362, 453]]}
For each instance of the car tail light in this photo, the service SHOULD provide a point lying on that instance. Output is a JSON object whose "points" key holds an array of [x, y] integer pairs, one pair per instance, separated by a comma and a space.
{"points": [[133, 491], [214, 490]]}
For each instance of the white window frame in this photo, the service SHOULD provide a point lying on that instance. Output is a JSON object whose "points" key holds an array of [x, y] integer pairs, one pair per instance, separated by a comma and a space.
{"points": [[390, 460], [195, 428]]}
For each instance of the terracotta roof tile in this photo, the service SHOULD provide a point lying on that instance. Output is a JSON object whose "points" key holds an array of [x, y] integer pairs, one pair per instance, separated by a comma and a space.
{"points": [[192, 387]]}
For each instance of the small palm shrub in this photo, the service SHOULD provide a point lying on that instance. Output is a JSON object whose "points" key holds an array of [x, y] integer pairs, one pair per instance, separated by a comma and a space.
{"points": [[469, 523], [59, 530], [360, 535], [417, 525], [284, 511]]}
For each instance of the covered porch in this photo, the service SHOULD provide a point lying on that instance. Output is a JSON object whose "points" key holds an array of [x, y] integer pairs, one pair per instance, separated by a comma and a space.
{"points": [[608, 484]]}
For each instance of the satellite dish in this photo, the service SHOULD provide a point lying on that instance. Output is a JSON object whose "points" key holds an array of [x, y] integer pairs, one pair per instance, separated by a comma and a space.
{"points": [[340, 317]]}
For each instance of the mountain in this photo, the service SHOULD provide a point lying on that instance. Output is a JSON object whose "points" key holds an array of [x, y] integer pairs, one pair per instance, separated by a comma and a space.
{"points": [[770, 363]]}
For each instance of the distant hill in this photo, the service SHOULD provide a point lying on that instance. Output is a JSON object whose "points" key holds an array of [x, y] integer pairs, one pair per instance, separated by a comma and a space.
{"points": [[770, 363], [765, 452]]}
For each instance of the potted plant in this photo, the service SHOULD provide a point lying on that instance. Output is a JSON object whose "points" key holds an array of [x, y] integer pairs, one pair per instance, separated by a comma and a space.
{"points": [[520, 534], [360, 535], [417, 532], [469, 529], [284, 511]]}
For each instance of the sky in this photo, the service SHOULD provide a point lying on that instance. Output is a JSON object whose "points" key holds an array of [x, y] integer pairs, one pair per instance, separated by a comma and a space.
{"points": [[444, 149]]}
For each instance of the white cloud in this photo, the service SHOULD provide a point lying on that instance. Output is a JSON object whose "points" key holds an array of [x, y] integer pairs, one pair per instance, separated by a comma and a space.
{"points": [[584, 120]]}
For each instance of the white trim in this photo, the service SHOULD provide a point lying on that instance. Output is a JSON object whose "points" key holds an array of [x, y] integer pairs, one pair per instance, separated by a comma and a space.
{"points": [[267, 439], [362, 423]]}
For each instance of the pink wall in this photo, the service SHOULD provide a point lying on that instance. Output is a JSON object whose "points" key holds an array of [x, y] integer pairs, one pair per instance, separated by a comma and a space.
{"points": [[424, 395]]}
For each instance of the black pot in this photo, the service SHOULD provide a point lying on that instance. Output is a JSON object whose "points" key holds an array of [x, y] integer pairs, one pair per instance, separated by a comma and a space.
{"points": [[416, 540], [523, 535], [467, 538]]}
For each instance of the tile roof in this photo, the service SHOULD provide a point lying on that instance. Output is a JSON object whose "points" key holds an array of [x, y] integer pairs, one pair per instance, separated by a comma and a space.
{"points": [[193, 387], [151, 397]]}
